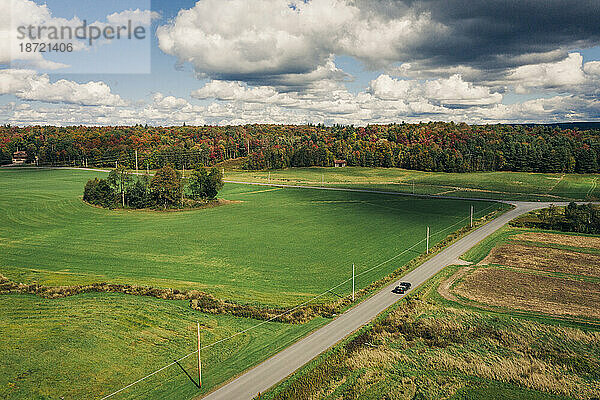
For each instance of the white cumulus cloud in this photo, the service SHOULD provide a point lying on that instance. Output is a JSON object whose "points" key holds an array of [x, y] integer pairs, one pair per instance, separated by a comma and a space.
{"points": [[445, 91], [236, 91], [169, 102], [137, 17], [276, 42], [563, 74], [29, 85]]}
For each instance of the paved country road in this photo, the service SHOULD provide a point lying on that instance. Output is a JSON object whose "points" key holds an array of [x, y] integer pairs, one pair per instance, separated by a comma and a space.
{"points": [[270, 372]]}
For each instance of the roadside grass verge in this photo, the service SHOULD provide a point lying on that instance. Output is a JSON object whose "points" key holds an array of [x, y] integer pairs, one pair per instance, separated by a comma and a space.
{"points": [[429, 348], [479, 252]]}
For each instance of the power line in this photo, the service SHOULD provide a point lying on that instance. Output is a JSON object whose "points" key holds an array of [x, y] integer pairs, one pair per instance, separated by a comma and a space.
{"points": [[282, 314]]}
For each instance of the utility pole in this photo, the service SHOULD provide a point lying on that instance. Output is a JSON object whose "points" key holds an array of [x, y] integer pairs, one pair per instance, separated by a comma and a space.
{"points": [[136, 162], [413, 185], [147, 169], [116, 164], [322, 179], [199, 360], [427, 240], [248, 143], [182, 187], [352, 282], [471, 216], [269, 178], [183, 176]]}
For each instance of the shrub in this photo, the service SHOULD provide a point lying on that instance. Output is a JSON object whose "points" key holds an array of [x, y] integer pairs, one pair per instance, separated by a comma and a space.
{"points": [[584, 218], [98, 192]]}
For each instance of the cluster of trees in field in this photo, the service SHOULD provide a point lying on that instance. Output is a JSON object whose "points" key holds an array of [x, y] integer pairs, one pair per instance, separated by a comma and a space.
{"points": [[436, 146], [166, 189], [583, 218]]}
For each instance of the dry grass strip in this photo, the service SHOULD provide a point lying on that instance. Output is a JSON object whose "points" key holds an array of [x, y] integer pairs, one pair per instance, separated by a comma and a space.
{"points": [[531, 292], [545, 259], [565, 240], [525, 371]]}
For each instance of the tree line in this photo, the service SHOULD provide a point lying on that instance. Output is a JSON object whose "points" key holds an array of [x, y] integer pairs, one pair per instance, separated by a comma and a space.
{"points": [[583, 218], [435, 146], [165, 189]]}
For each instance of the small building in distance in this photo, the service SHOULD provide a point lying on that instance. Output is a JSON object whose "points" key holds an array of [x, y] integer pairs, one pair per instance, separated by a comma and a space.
{"points": [[19, 157], [339, 163]]}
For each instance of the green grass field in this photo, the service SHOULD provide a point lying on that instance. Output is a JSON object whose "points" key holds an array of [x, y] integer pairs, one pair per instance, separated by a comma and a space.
{"points": [[275, 247], [495, 185], [87, 346], [427, 347]]}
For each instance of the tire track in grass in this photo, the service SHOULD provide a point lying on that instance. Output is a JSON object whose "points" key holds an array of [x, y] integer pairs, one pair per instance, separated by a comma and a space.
{"points": [[592, 188], [559, 180]]}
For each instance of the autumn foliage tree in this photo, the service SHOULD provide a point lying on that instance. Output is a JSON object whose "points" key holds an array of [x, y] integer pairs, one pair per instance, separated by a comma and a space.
{"points": [[433, 146], [165, 185]]}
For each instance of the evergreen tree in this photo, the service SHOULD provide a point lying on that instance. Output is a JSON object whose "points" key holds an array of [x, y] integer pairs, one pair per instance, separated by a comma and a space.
{"points": [[138, 194], [100, 193]]}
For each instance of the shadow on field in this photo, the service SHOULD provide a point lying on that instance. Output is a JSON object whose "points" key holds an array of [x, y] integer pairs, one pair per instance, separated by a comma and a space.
{"points": [[188, 375]]}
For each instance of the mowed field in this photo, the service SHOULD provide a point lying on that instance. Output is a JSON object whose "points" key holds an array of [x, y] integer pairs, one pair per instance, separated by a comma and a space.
{"points": [[90, 345], [272, 247], [275, 247], [488, 185]]}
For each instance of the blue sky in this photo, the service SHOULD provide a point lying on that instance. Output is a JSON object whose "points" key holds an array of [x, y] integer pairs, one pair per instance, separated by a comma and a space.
{"points": [[270, 61]]}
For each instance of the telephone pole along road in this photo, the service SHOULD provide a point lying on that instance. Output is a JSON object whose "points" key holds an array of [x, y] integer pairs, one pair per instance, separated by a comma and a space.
{"points": [[270, 372]]}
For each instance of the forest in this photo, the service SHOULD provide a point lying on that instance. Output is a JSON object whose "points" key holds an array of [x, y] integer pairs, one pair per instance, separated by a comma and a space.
{"points": [[435, 146]]}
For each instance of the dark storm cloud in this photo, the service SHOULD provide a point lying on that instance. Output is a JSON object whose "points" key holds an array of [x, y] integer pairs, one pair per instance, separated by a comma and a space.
{"points": [[493, 35], [265, 42]]}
